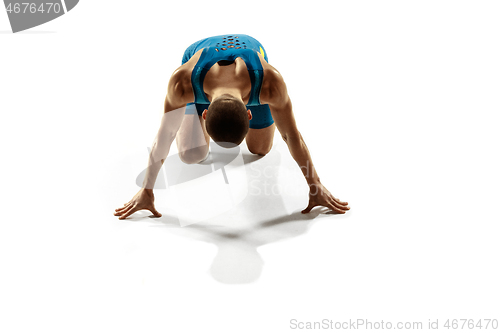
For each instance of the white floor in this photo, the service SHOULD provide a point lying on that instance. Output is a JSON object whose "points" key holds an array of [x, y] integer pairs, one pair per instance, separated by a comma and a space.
{"points": [[405, 130]]}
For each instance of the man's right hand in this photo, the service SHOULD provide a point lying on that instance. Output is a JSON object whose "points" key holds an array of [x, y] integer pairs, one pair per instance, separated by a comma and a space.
{"points": [[144, 199]]}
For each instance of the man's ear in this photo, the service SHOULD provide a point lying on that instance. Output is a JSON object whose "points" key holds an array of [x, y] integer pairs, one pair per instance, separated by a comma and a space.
{"points": [[204, 114], [249, 114]]}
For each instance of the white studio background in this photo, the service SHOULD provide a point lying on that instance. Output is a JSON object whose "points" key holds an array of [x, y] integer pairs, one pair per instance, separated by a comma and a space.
{"points": [[397, 101]]}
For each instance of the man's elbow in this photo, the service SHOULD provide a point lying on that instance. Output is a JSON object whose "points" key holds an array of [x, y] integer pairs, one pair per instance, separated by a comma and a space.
{"points": [[292, 138]]}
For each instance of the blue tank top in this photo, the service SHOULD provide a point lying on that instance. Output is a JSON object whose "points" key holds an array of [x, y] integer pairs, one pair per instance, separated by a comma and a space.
{"points": [[228, 48]]}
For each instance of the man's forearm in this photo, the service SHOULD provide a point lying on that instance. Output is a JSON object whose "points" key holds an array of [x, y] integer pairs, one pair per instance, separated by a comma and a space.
{"points": [[301, 155], [170, 123], [154, 167]]}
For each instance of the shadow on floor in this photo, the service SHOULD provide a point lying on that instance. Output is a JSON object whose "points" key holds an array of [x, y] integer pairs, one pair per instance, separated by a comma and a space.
{"points": [[265, 216]]}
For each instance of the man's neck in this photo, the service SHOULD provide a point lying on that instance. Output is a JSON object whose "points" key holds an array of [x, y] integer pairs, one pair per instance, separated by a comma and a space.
{"points": [[226, 79], [221, 91]]}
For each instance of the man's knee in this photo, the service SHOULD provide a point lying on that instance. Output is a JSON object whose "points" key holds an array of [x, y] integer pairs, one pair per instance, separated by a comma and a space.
{"points": [[194, 155], [260, 150]]}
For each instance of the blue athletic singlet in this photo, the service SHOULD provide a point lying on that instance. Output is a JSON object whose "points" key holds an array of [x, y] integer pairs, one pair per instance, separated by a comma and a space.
{"points": [[230, 47]]}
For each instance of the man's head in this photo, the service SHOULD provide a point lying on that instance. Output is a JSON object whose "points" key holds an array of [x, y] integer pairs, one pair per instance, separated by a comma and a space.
{"points": [[227, 120]]}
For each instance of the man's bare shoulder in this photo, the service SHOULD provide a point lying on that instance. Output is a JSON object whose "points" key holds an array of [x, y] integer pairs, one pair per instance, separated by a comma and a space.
{"points": [[180, 80], [273, 86], [184, 71], [180, 90]]}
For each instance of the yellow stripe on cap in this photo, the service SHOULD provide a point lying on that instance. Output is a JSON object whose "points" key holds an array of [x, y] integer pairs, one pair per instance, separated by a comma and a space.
{"points": [[262, 52]]}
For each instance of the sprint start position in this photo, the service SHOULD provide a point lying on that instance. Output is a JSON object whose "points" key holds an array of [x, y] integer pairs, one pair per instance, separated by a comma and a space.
{"points": [[227, 91]]}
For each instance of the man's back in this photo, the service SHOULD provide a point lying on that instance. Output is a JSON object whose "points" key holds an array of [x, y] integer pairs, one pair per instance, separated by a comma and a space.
{"points": [[182, 77]]}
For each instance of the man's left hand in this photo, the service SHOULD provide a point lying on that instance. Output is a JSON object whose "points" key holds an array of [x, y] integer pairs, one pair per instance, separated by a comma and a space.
{"points": [[320, 196]]}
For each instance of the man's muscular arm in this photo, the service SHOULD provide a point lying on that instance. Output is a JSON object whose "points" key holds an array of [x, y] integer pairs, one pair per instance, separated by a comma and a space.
{"points": [[276, 96], [174, 108]]}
